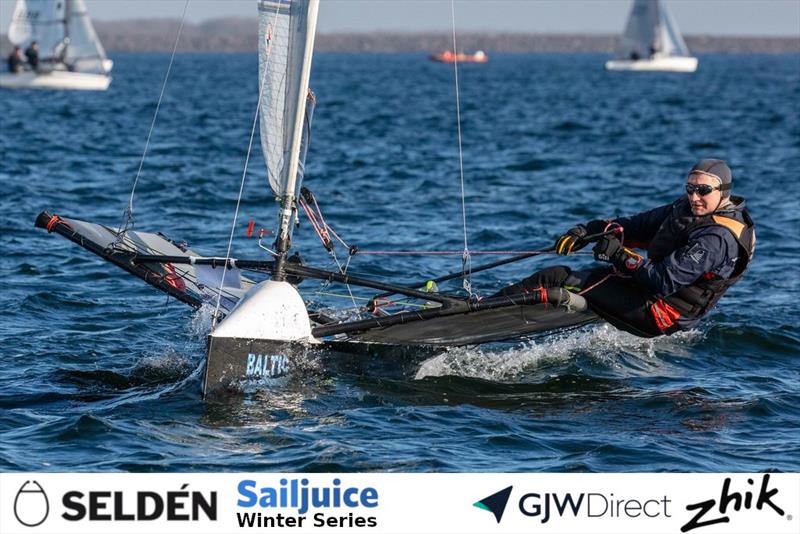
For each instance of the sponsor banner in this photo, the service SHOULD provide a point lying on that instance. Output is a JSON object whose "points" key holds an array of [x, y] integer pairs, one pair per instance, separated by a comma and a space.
{"points": [[479, 503]]}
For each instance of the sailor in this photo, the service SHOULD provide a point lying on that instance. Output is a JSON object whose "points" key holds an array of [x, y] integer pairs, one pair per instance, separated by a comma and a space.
{"points": [[16, 63], [32, 53], [697, 247]]}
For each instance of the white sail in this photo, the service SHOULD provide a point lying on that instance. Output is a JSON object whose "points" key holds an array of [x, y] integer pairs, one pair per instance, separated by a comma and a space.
{"points": [[672, 40], [41, 21], [20, 30], [85, 53], [650, 32], [286, 42]]}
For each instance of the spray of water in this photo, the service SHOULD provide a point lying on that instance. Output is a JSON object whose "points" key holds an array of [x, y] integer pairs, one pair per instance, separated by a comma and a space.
{"points": [[202, 321], [602, 343]]}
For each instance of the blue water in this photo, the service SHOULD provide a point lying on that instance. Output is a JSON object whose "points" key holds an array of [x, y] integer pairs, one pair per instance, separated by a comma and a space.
{"points": [[100, 372]]}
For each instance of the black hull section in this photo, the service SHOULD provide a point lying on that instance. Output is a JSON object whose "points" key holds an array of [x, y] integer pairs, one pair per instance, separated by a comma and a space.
{"points": [[234, 365], [231, 362], [486, 326]]}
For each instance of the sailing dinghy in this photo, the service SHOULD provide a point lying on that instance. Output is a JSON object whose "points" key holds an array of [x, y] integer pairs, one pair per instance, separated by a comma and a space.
{"points": [[263, 328], [71, 55], [652, 42]]}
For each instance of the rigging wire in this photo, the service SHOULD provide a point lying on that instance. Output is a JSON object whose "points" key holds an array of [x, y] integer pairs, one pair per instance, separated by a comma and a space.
{"points": [[466, 264], [128, 215], [455, 252], [324, 231], [215, 317], [344, 271]]}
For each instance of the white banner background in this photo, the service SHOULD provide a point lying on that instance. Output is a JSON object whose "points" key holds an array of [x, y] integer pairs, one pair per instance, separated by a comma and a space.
{"points": [[425, 503]]}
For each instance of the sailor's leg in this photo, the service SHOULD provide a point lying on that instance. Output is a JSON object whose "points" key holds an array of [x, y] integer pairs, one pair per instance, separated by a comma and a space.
{"points": [[550, 277], [620, 301]]}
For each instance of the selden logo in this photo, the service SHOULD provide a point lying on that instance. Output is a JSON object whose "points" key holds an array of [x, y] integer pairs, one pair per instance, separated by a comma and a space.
{"points": [[179, 505], [31, 506], [495, 503], [728, 498], [300, 497]]}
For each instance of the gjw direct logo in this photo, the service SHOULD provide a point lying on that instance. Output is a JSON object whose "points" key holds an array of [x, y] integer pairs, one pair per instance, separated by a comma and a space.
{"points": [[548, 505], [495, 503]]}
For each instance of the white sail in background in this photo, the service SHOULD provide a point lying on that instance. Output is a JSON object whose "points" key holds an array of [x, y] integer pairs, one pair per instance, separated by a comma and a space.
{"points": [[64, 32], [20, 30], [651, 31], [671, 38], [286, 42], [652, 42], [41, 21], [85, 52], [640, 31]]}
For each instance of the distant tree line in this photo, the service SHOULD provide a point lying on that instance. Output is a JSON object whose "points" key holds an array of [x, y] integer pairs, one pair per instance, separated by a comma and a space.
{"points": [[241, 35]]}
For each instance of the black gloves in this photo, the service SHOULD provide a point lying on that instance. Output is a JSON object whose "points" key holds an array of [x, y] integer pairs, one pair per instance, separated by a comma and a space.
{"points": [[610, 249], [574, 240]]}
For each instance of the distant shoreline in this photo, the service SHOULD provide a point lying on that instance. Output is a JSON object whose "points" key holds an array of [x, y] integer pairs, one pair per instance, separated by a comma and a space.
{"points": [[241, 35]]}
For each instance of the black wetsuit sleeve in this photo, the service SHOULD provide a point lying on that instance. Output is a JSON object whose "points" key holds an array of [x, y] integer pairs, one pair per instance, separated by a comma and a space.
{"points": [[643, 226], [709, 250]]}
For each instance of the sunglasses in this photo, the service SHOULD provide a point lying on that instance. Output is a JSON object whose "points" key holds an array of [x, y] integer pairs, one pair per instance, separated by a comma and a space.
{"points": [[700, 189]]}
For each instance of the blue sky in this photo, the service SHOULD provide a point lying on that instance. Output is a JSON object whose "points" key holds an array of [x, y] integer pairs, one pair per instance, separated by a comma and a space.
{"points": [[715, 17]]}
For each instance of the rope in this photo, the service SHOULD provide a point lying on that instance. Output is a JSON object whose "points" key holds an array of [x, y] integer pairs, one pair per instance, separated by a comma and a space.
{"points": [[321, 231], [455, 252], [466, 265], [128, 215], [621, 231], [324, 231], [244, 171], [328, 227], [344, 272]]}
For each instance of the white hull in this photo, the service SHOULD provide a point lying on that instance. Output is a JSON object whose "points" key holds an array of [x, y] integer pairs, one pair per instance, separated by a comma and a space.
{"points": [[260, 339], [57, 79], [661, 64]]}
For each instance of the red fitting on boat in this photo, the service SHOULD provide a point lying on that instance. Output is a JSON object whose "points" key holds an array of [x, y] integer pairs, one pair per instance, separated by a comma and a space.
{"points": [[543, 295], [173, 278], [54, 220]]}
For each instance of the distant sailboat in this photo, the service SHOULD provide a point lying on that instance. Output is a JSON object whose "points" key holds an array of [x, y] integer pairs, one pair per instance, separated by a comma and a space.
{"points": [[652, 42], [71, 55]]}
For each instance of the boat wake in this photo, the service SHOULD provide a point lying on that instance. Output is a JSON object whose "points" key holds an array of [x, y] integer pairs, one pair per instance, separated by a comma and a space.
{"points": [[603, 344]]}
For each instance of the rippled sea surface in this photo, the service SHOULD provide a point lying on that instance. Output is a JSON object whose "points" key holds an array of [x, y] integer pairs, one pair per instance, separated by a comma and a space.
{"points": [[100, 372]]}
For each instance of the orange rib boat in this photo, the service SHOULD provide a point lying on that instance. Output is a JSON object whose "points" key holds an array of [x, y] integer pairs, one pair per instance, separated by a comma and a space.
{"points": [[449, 57]]}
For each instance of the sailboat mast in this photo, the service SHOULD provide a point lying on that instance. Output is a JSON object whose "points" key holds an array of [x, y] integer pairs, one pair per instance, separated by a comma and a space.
{"points": [[288, 201], [67, 10]]}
